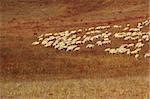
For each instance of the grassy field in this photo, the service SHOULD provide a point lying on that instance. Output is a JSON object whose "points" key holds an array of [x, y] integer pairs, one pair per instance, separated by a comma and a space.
{"points": [[69, 75]]}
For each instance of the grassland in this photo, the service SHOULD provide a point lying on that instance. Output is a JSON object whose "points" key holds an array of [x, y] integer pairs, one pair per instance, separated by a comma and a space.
{"points": [[92, 73]]}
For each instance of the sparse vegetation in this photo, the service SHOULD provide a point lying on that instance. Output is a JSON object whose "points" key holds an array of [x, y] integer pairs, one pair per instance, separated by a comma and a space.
{"points": [[95, 73]]}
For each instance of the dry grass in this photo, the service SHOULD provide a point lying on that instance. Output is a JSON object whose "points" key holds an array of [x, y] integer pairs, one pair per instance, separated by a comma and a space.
{"points": [[94, 72], [110, 88]]}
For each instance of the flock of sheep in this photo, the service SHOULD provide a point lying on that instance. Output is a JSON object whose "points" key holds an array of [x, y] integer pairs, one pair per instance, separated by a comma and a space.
{"points": [[72, 40]]}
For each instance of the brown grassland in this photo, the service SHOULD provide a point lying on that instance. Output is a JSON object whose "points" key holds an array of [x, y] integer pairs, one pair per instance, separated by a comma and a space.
{"points": [[45, 73]]}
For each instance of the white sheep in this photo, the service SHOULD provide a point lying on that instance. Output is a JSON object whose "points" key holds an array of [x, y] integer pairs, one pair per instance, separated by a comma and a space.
{"points": [[44, 41], [77, 49], [112, 51], [139, 45], [89, 45], [79, 42], [128, 25], [106, 39], [91, 28], [84, 36], [124, 45], [56, 42], [35, 43], [147, 55], [121, 50], [71, 47], [41, 36], [48, 34], [97, 31], [128, 51], [99, 43], [73, 32], [130, 45], [137, 56], [117, 26], [48, 44], [51, 38], [134, 29], [79, 30], [106, 42], [107, 50], [127, 38], [126, 28], [136, 51]]}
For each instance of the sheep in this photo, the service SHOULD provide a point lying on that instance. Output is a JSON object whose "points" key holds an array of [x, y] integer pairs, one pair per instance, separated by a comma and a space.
{"points": [[106, 42], [48, 34], [77, 49], [109, 34], [97, 31], [92, 38], [56, 42], [55, 34], [79, 42], [136, 56], [63, 40], [102, 27], [117, 26], [128, 52], [136, 51], [105, 36], [139, 40], [60, 48], [126, 28], [78, 38], [44, 41], [147, 39], [107, 50], [98, 28], [58, 37], [139, 45], [128, 33], [96, 37], [73, 41], [73, 32], [112, 51], [135, 38], [71, 47], [48, 43], [92, 32], [79, 30], [40, 39], [51, 38], [86, 39], [123, 45], [89, 46], [73, 36], [127, 38], [121, 50], [120, 35], [99, 43], [134, 29], [41, 36], [84, 36], [130, 45], [35, 43], [106, 39], [145, 36], [147, 55], [128, 25], [91, 28], [134, 33], [56, 46]]}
